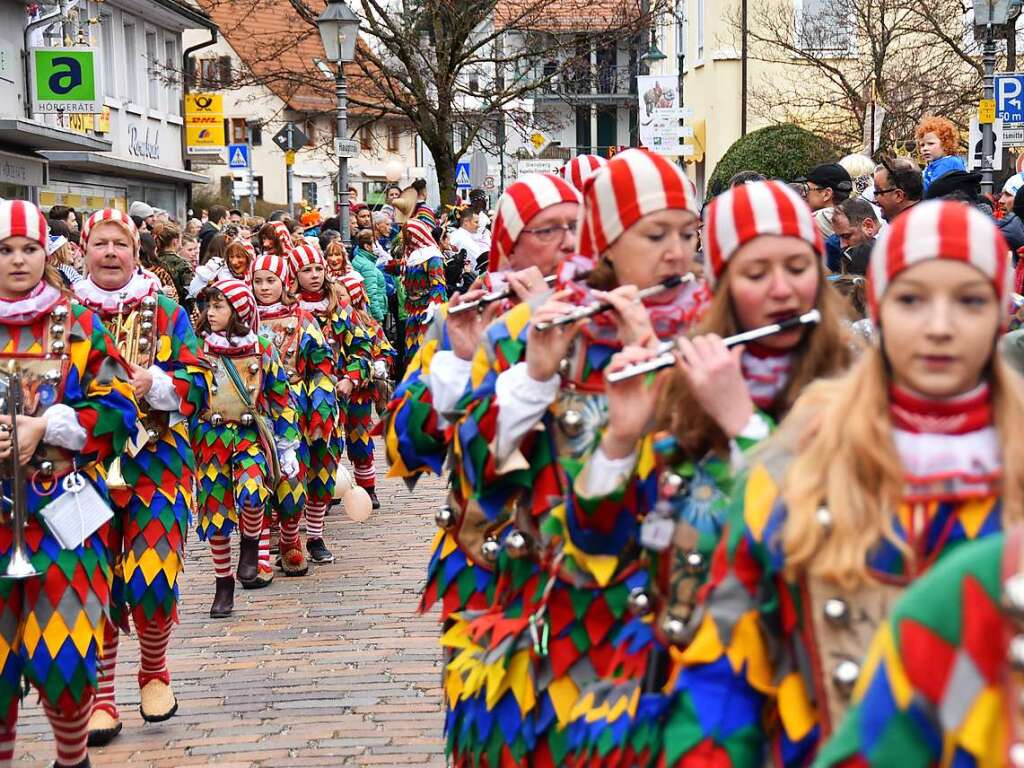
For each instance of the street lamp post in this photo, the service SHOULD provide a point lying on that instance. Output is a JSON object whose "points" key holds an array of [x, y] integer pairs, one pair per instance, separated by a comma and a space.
{"points": [[989, 14], [339, 27]]}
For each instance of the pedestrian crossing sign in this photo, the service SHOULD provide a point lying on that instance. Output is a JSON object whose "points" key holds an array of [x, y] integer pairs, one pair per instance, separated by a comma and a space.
{"points": [[238, 155], [462, 175]]}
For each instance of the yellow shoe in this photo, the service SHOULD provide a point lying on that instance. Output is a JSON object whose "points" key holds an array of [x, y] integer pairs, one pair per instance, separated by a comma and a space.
{"points": [[103, 727], [157, 702]]}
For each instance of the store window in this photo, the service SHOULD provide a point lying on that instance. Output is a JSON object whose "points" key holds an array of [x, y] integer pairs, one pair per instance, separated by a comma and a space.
{"points": [[309, 193], [153, 70], [366, 137], [394, 137]]}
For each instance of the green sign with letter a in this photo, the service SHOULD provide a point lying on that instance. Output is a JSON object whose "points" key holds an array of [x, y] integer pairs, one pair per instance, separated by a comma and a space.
{"points": [[65, 80]]}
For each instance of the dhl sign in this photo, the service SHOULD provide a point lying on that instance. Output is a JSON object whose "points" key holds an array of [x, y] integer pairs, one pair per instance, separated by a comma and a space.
{"points": [[204, 123]]}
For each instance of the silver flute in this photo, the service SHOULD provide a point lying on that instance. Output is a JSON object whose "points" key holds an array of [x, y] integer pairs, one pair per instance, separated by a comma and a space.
{"points": [[667, 349], [581, 313], [20, 565], [489, 298]]}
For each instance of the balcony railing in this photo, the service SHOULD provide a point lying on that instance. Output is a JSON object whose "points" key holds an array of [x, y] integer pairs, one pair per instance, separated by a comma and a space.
{"points": [[583, 82]]}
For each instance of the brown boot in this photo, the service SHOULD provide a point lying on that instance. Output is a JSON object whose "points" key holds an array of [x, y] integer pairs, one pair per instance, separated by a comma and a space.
{"points": [[224, 598], [248, 558]]}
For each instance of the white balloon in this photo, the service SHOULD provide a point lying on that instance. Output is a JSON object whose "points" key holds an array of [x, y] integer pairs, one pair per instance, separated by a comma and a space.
{"points": [[393, 170], [357, 504]]}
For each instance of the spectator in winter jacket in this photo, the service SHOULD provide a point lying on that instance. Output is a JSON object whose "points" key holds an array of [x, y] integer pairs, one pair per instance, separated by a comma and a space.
{"points": [[856, 227], [1011, 225], [365, 263], [938, 141]]}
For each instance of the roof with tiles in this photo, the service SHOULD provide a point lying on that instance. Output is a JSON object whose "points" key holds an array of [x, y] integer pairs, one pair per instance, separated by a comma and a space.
{"points": [[567, 15]]}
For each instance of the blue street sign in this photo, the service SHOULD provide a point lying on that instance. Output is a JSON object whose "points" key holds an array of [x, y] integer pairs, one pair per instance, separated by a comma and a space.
{"points": [[462, 176], [238, 156], [1010, 97]]}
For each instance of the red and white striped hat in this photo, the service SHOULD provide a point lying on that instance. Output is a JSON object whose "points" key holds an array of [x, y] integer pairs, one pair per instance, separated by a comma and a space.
{"points": [[417, 234], [20, 218], [303, 255], [523, 200], [240, 297], [581, 168], [939, 229], [353, 283], [743, 213], [272, 263], [634, 184], [114, 216]]}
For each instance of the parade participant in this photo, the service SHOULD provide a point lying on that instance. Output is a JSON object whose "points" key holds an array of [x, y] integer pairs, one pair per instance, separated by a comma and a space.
{"points": [[839, 515], [276, 239], [581, 168], [939, 141], [337, 259], [309, 365], [648, 507], [518, 667], [151, 487], [422, 272], [350, 352], [534, 231], [78, 411], [241, 458], [942, 681], [233, 262]]}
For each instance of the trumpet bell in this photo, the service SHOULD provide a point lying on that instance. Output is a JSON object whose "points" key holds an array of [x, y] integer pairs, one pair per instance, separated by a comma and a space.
{"points": [[20, 567]]}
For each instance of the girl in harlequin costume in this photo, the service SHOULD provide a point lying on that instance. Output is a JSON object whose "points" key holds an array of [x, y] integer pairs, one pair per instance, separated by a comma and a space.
{"points": [[350, 361], [943, 675], [309, 364], [151, 490], [839, 515], [764, 258], [233, 452], [518, 667], [534, 231], [275, 239], [422, 270], [80, 413]]}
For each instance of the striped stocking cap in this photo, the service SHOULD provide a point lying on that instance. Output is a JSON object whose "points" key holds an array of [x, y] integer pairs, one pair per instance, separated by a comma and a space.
{"points": [[303, 255], [634, 184], [240, 297], [273, 264], [417, 234], [523, 200], [20, 218], [353, 283], [940, 229], [114, 216], [581, 168], [744, 213]]}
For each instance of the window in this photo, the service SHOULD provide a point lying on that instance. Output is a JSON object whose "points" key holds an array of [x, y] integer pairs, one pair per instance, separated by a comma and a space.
{"points": [[394, 137], [309, 193], [310, 128], [131, 56], [170, 73], [256, 134], [700, 30], [214, 74], [366, 136], [825, 26], [153, 71], [474, 82], [239, 134], [107, 43]]}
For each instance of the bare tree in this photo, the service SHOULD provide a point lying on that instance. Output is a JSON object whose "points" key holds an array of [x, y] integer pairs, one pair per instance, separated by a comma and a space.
{"points": [[913, 57], [450, 67]]}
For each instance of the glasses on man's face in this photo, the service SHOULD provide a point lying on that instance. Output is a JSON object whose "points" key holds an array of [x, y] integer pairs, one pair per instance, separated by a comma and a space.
{"points": [[885, 191], [548, 234]]}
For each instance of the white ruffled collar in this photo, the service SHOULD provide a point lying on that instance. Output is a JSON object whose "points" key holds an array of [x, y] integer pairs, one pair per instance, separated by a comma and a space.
{"points": [[422, 255], [938, 467], [137, 288], [39, 301], [314, 306], [219, 343]]}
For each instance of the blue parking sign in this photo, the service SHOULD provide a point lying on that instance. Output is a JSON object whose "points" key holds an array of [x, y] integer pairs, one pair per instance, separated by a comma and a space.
{"points": [[238, 156], [1009, 93]]}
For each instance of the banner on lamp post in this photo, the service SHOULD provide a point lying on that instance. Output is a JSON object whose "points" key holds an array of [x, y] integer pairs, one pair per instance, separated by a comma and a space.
{"points": [[660, 113]]}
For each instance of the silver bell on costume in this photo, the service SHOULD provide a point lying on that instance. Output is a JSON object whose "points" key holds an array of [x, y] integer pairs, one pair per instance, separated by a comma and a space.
{"points": [[517, 545], [445, 517], [490, 549]]}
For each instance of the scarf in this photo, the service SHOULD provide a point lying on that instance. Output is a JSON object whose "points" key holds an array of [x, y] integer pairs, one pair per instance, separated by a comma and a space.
{"points": [[233, 346], [766, 372], [313, 302]]}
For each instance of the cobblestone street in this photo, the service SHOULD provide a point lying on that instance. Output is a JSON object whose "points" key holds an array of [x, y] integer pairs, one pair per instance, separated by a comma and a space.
{"points": [[332, 669]]}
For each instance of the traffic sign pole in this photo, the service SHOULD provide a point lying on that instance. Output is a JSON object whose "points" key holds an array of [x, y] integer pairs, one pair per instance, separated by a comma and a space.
{"points": [[289, 174], [249, 176]]}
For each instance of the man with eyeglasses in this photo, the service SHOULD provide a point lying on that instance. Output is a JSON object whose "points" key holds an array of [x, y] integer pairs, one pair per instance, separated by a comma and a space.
{"points": [[898, 186]]}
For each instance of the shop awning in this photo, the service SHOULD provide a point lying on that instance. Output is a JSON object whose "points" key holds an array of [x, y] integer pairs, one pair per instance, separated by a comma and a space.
{"points": [[101, 163], [22, 132]]}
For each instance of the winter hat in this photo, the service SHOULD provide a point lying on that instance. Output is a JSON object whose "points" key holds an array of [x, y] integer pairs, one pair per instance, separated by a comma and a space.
{"points": [[939, 229], [20, 218], [303, 255], [240, 297], [114, 216], [273, 264], [634, 184], [750, 211], [141, 210], [418, 235], [1013, 184], [523, 200], [581, 168]]}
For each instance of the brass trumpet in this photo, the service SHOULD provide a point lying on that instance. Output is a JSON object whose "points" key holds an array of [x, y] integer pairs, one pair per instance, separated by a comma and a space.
{"points": [[20, 565]]}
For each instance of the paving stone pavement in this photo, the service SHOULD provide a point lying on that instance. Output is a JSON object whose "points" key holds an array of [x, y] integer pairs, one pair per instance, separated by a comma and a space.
{"points": [[333, 669]]}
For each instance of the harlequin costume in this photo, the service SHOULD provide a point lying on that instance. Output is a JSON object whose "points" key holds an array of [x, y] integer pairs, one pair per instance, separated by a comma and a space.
{"points": [[52, 624], [775, 657], [235, 453], [350, 359], [309, 365], [416, 431], [519, 666], [151, 488], [422, 270]]}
